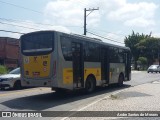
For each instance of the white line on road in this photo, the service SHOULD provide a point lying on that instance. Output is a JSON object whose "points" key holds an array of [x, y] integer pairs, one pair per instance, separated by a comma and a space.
{"points": [[92, 103]]}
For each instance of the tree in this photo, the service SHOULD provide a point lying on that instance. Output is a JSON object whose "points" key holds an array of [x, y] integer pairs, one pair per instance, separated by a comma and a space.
{"points": [[132, 42], [150, 48], [142, 61]]}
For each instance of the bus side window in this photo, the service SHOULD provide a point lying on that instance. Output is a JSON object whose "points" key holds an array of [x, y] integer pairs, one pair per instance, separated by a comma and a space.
{"points": [[91, 52], [114, 57], [66, 48], [121, 56]]}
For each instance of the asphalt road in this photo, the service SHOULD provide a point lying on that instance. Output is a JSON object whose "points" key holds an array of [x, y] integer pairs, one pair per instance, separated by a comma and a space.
{"points": [[141, 77], [44, 99]]}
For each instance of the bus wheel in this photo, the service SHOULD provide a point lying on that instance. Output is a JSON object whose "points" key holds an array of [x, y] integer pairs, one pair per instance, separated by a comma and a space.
{"points": [[17, 85], [90, 84], [120, 80]]}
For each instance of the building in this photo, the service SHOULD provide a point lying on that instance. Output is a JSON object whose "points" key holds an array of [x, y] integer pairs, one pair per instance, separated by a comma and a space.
{"points": [[9, 52]]}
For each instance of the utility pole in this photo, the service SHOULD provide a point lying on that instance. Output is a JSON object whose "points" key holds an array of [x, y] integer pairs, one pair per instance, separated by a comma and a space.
{"points": [[85, 16], [158, 57], [158, 52]]}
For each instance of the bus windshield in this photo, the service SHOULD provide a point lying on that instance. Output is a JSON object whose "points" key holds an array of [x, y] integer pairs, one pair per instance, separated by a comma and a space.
{"points": [[35, 43]]}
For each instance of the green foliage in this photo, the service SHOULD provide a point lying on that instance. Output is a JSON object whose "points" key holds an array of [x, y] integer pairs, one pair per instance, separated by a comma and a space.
{"points": [[132, 41], [138, 62], [150, 48], [143, 60], [3, 69]]}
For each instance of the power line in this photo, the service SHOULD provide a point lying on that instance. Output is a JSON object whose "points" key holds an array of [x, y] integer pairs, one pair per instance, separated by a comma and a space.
{"points": [[11, 31], [22, 26], [16, 23], [18, 6], [19, 26], [40, 29], [105, 34], [43, 24], [105, 37], [104, 31]]}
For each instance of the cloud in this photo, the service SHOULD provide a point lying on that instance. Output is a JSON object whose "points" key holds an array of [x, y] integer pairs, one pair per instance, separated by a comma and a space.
{"points": [[157, 34], [134, 14], [114, 37], [69, 13], [139, 22]]}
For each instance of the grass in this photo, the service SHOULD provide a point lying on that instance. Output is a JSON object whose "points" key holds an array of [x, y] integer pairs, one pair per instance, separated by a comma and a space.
{"points": [[3, 69]]}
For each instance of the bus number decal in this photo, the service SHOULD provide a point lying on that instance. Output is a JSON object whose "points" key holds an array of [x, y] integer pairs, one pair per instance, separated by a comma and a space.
{"points": [[44, 57]]}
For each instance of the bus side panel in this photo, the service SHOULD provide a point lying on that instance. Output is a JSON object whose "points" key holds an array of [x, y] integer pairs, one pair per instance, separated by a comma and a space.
{"points": [[67, 75], [115, 70], [64, 70], [93, 68], [54, 63]]}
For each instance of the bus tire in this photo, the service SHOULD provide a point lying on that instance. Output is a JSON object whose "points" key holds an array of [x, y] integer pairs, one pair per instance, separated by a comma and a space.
{"points": [[90, 84], [120, 80], [17, 85]]}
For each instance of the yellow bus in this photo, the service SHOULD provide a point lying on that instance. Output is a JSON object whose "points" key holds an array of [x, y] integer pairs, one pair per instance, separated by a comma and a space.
{"points": [[69, 61]]}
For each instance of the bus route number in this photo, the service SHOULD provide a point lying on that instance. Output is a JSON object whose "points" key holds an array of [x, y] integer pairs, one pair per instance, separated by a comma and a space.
{"points": [[44, 57]]}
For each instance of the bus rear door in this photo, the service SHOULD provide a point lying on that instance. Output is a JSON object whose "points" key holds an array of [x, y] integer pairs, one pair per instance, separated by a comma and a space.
{"points": [[105, 65], [78, 65]]}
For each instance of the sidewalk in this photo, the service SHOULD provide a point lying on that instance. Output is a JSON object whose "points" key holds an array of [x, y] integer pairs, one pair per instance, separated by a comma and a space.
{"points": [[145, 97]]}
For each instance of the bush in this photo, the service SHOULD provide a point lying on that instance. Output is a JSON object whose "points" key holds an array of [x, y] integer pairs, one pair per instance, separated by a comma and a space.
{"points": [[142, 61], [3, 69]]}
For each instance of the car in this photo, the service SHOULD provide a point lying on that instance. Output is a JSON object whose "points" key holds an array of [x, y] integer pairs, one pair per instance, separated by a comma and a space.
{"points": [[154, 68], [11, 80]]}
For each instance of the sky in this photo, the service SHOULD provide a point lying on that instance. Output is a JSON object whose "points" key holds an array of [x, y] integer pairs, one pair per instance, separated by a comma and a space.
{"points": [[114, 20]]}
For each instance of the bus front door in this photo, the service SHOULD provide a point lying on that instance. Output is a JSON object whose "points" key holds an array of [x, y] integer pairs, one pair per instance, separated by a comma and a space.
{"points": [[105, 65], [78, 65]]}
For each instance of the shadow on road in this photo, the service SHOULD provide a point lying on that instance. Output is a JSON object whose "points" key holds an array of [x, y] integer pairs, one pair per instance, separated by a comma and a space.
{"points": [[12, 89], [49, 100]]}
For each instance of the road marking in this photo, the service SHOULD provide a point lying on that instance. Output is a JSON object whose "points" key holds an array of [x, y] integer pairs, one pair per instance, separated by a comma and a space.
{"points": [[24, 91]]}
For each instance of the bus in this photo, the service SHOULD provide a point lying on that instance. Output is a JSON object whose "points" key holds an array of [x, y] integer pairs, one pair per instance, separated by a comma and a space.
{"points": [[70, 61]]}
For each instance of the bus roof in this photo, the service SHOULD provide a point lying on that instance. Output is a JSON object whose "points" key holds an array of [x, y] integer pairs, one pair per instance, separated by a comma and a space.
{"points": [[86, 38], [96, 40]]}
